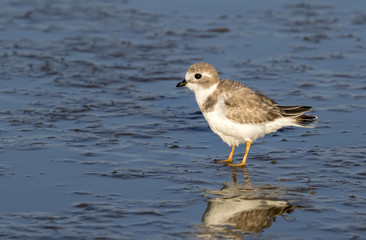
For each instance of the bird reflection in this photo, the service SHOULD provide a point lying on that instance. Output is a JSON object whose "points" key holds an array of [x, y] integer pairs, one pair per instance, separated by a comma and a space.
{"points": [[243, 214], [242, 208], [235, 177]]}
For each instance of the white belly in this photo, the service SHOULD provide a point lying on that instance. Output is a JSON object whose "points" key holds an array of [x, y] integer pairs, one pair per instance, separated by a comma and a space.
{"points": [[233, 133]]}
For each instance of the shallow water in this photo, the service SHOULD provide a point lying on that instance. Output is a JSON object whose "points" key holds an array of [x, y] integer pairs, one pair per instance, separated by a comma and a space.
{"points": [[96, 141]]}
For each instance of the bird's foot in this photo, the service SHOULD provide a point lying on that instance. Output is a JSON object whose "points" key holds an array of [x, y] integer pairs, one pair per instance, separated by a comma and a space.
{"points": [[237, 165], [229, 160]]}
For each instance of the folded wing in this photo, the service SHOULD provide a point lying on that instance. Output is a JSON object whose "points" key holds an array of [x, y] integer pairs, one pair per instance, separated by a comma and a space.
{"points": [[243, 105]]}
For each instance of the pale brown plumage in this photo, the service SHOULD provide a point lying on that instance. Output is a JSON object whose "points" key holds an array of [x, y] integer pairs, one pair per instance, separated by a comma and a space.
{"points": [[243, 105]]}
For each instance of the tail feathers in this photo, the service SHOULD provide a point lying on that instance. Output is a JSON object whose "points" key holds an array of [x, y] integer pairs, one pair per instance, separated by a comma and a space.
{"points": [[297, 113], [306, 120]]}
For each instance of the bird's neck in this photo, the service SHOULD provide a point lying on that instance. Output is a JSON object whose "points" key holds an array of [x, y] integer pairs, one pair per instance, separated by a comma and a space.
{"points": [[203, 93]]}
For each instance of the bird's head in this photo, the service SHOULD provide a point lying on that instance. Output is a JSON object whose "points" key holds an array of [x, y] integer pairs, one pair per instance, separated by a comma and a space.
{"points": [[200, 76]]}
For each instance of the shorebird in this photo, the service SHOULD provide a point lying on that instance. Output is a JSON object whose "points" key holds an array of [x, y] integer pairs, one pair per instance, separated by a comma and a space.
{"points": [[237, 113]]}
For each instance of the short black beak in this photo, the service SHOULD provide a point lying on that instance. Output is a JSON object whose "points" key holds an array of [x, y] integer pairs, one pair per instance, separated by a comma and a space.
{"points": [[182, 83]]}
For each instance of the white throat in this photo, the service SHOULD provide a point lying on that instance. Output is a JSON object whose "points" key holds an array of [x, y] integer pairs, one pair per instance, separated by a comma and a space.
{"points": [[203, 93]]}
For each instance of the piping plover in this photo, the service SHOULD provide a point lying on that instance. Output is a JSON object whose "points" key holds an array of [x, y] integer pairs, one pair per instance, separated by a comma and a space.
{"points": [[237, 113]]}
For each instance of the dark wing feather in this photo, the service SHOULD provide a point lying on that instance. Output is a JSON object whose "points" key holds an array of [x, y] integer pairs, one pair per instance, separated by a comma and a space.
{"points": [[297, 112], [290, 111]]}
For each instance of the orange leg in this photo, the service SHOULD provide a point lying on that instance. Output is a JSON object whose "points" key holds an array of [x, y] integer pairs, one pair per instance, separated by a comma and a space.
{"points": [[242, 164], [230, 158]]}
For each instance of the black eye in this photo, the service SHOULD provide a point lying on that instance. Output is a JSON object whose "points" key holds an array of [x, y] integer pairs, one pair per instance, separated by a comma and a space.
{"points": [[198, 76]]}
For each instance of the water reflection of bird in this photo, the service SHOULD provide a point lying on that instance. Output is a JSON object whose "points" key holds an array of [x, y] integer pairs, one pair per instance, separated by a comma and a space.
{"points": [[251, 215], [242, 208], [237, 113]]}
